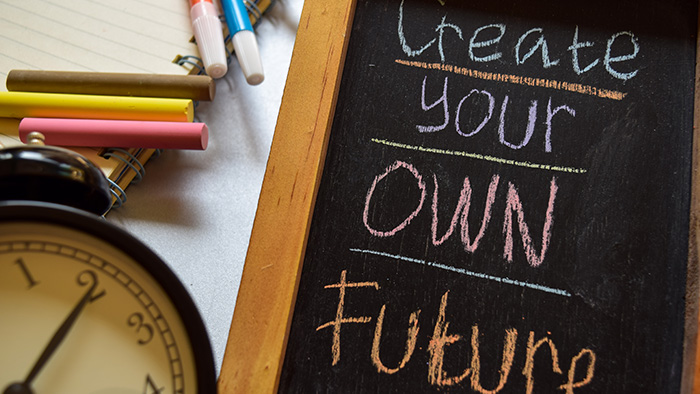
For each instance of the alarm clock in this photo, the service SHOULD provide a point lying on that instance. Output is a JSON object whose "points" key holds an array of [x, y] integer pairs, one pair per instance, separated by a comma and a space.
{"points": [[85, 306], [47, 173], [88, 308]]}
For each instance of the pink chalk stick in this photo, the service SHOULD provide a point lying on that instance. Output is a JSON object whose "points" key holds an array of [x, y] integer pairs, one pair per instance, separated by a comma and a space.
{"points": [[117, 133]]}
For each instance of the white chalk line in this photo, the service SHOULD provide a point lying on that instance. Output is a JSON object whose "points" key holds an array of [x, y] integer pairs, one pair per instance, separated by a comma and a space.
{"points": [[463, 271]]}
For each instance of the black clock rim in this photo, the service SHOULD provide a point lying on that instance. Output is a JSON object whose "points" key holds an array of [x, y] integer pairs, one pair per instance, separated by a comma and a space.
{"points": [[33, 211]]}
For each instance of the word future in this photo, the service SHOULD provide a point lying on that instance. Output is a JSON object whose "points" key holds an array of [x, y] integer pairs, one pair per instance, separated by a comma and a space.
{"points": [[581, 367]]}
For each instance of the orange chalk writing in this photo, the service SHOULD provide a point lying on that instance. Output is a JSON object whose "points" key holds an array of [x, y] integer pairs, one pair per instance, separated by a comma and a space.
{"points": [[340, 319], [438, 342], [580, 373], [518, 80], [411, 337]]}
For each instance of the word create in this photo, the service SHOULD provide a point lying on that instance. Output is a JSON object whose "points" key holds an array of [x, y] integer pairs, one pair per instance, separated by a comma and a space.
{"points": [[483, 47], [488, 114], [583, 363], [514, 206]]}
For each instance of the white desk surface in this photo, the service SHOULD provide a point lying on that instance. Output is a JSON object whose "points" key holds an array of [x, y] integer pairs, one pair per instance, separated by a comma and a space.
{"points": [[196, 208]]}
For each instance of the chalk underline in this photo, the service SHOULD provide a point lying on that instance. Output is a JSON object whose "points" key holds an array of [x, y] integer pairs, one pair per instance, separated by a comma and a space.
{"points": [[463, 271], [518, 80], [478, 156]]}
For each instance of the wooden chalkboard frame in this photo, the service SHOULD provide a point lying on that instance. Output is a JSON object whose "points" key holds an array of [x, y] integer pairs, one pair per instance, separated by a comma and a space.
{"points": [[265, 304]]}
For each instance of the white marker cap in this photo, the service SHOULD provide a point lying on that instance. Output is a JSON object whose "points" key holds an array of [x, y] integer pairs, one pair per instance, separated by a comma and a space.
{"points": [[246, 47], [210, 39]]}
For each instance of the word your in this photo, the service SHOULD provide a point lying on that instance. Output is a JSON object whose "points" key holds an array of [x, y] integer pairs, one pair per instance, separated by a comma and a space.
{"points": [[529, 131], [513, 206], [440, 340], [486, 39]]}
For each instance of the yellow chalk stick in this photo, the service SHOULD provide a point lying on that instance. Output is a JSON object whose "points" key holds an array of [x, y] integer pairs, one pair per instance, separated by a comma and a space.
{"points": [[79, 106]]}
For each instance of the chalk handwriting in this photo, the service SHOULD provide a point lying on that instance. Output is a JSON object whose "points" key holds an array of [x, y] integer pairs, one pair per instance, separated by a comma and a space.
{"points": [[462, 210], [514, 205], [485, 43], [476, 106], [473, 43], [421, 185], [541, 45], [443, 100], [411, 338], [609, 58], [339, 316], [442, 338], [574, 47]]}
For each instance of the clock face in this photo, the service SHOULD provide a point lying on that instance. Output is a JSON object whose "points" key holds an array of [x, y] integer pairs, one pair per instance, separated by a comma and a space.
{"points": [[124, 334]]}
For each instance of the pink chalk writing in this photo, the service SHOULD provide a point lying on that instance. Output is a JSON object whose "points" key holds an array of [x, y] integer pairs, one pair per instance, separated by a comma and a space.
{"points": [[377, 179], [514, 204], [462, 212]]}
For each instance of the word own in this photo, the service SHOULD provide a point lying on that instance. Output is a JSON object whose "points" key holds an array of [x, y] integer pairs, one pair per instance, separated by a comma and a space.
{"points": [[582, 364], [514, 206]]}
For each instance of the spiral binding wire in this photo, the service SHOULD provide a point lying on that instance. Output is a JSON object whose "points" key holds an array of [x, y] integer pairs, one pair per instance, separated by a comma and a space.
{"points": [[192, 60], [129, 160], [132, 164], [196, 63], [118, 194]]}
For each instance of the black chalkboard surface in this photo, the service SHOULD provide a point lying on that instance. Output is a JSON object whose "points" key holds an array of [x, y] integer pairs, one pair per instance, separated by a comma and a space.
{"points": [[505, 201]]}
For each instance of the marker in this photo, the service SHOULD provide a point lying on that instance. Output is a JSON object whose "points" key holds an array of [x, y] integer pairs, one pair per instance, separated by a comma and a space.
{"points": [[117, 133], [209, 36], [244, 42]]}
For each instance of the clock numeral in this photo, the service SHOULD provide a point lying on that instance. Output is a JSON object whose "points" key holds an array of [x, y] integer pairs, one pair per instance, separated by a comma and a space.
{"points": [[136, 320], [27, 275], [150, 386], [91, 281]]}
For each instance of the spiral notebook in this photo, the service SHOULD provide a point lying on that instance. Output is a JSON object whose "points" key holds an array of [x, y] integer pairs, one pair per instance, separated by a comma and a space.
{"points": [[144, 36]]}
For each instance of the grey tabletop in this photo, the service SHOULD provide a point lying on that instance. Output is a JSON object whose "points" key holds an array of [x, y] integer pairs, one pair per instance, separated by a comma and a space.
{"points": [[196, 208]]}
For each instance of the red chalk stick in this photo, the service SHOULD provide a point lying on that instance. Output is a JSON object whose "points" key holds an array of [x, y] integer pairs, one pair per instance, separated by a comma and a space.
{"points": [[117, 133]]}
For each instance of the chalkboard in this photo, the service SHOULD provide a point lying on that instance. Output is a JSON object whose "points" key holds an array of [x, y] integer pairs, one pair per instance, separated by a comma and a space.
{"points": [[503, 205]]}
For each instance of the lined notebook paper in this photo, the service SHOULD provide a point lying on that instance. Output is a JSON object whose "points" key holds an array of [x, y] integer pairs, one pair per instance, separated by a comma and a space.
{"points": [[94, 35]]}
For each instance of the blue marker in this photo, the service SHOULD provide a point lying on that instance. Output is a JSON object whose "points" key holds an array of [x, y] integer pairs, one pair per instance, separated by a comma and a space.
{"points": [[244, 42]]}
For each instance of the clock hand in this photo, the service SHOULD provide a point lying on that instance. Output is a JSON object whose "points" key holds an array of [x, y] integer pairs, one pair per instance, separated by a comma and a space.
{"points": [[24, 387]]}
